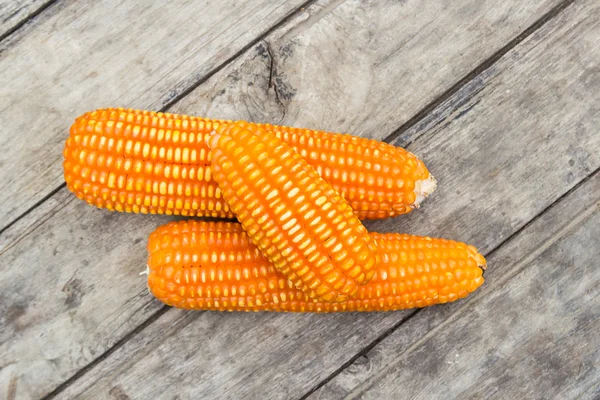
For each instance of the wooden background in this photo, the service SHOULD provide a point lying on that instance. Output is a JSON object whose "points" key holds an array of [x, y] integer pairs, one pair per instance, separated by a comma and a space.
{"points": [[501, 99]]}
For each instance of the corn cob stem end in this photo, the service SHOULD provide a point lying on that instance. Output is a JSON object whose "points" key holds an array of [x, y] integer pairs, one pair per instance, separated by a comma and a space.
{"points": [[475, 255], [423, 188]]}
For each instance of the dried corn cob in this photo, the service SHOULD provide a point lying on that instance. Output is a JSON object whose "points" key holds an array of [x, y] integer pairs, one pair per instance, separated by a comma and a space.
{"points": [[214, 266], [141, 161], [301, 224]]}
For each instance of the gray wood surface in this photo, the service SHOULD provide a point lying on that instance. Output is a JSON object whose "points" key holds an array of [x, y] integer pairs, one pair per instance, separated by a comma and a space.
{"points": [[85, 55], [295, 353], [523, 132], [14, 12], [536, 89], [531, 333], [361, 67], [123, 306]]}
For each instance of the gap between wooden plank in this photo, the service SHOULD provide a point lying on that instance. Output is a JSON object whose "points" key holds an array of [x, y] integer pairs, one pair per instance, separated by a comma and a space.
{"points": [[396, 133], [33, 207], [180, 96], [490, 253], [520, 265], [476, 71], [25, 20], [482, 67], [107, 353]]}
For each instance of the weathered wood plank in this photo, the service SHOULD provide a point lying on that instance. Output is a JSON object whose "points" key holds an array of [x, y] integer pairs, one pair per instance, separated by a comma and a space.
{"points": [[325, 19], [362, 67], [65, 301], [14, 12], [340, 336], [542, 86], [77, 57], [532, 333], [283, 356], [514, 257]]}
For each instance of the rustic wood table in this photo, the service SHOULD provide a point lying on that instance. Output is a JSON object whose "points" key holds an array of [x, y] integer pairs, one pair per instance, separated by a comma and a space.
{"points": [[501, 99]]}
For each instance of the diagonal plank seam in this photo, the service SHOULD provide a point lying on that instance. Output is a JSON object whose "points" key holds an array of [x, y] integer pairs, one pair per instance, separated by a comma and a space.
{"points": [[157, 314], [27, 19], [420, 115], [181, 95], [33, 207], [37, 224], [521, 266], [359, 354], [547, 243], [478, 70]]}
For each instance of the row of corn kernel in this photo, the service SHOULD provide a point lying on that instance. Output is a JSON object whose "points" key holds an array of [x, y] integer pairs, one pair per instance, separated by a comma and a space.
{"points": [[215, 266]]}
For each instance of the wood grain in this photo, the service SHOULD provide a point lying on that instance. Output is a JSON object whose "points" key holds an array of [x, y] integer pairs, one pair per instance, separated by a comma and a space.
{"points": [[69, 293], [507, 263], [78, 57], [544, 89], [282, 356], [361, 67], [15, 12], [530, 334], [272, 355]]}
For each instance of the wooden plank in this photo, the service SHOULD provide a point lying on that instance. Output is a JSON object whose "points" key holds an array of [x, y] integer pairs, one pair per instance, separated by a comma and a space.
{"points": [[15, 12], [511, 260], [532, 333], [282, 356], [77, 57], [69, 292], [531, 86], [109, 331], [361, 67]]}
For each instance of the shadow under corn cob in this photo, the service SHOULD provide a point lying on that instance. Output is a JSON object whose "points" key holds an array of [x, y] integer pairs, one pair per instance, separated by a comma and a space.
{"points": [[298, 221], [148, 162], [215, 266]]}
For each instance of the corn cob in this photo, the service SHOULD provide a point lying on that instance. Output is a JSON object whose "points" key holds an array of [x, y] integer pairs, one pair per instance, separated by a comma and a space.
{"points": [[301, 224], [141, 161], [215, 266]]}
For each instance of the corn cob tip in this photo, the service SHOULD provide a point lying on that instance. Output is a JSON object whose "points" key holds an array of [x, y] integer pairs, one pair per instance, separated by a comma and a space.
{"points": [[423, 188], [475, 255]]}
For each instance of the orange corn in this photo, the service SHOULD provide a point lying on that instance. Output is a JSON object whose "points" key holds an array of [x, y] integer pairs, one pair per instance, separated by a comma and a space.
{"points": [[301, 224], [214, 266], [142, 161]]}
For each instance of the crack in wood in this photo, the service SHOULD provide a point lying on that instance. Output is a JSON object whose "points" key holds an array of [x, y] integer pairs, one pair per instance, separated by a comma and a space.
{"points": [[30, 17], [11, 391], [413, 121], [488, 63], [272, 82]]}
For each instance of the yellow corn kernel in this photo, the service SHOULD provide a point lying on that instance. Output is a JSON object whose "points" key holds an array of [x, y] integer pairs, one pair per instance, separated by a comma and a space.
{"points": [[288, 187], [215, 266], [377, 179]]}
